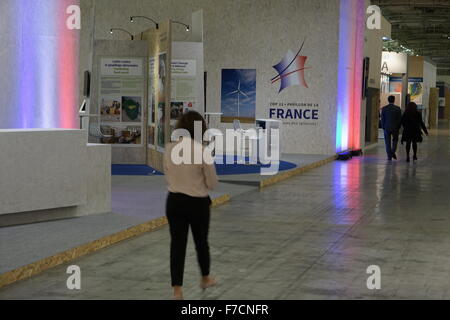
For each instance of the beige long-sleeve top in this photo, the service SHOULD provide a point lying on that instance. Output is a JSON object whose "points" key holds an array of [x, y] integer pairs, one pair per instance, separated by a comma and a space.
{"points": [[194, 180]]}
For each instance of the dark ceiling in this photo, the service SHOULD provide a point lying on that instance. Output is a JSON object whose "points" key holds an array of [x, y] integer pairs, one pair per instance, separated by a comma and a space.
{"points": [[423, 26]]}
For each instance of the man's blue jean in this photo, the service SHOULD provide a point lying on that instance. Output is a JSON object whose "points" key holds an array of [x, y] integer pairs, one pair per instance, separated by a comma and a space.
{"points": [[391, 141]]}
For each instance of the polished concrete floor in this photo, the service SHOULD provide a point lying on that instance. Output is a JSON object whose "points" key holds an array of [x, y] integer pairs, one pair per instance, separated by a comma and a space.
{"points": [[134, 199], [310, 237]]}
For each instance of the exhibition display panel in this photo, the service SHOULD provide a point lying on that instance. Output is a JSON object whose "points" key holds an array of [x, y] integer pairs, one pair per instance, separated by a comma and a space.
{"points": [[141, 87]]}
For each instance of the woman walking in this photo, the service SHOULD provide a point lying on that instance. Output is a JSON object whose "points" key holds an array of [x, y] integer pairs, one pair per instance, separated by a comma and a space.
{"points": [[412, 129], [188, 204]]}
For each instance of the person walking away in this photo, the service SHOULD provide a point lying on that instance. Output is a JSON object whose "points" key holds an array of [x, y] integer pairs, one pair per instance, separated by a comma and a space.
{"points": [[391, 116], [188, 204], [412, 130]]}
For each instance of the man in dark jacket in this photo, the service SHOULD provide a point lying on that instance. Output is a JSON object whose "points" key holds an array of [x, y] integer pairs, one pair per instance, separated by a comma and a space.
{"points": [[391, 117]]}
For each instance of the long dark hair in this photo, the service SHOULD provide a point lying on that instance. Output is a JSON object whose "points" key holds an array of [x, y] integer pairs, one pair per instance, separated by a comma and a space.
{"points": [[187, 121], [411, 108]]}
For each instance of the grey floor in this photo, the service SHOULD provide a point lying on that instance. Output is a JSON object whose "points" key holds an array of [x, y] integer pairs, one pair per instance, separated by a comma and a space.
{"points": [[310, 237], [135, 200]]}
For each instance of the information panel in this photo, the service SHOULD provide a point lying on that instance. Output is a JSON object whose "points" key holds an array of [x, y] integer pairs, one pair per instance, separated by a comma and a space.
{"points": [[121, 97], [184, 88]]}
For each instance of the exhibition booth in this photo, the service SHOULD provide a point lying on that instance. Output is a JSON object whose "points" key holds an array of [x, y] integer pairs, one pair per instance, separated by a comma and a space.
{"points": [[91, 145], [141, 87], [411, 79]]}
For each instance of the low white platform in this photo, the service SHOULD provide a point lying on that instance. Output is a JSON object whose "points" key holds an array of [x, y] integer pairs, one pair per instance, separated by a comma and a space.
{"points": [[52, 174]]}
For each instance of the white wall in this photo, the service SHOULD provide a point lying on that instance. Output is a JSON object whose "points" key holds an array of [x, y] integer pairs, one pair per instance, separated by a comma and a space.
{"points": [[254, 34], [192, 51], [9, 64], [373, 49], [37, 90]]}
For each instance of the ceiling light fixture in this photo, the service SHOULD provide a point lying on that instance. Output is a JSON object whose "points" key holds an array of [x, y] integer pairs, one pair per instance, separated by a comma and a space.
{"points": [[187, 26], [123, 30], [143, 17]]}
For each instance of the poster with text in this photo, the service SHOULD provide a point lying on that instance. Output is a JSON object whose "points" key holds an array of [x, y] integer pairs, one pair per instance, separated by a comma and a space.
{"points": [[131, 67], [121, 96], [184, 81], [238, 95]]}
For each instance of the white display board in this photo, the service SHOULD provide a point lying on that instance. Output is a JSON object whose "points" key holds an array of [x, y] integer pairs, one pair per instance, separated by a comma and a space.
{"points": [[187, 76], [121, 101], [121, 67], [393, 62], [184, 87]]}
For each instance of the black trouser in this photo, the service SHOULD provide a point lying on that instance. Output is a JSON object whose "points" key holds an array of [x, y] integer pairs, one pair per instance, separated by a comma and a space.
{"points": [[391, 141], [183, 211], [408, 147]]}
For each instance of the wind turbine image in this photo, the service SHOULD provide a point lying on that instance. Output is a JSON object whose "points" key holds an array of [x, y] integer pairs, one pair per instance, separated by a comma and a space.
{"points": [[238, 92]]}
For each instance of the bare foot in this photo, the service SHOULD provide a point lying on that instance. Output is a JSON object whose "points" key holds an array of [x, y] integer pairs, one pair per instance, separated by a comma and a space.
{"points": [[178, 293], [208, 282]]}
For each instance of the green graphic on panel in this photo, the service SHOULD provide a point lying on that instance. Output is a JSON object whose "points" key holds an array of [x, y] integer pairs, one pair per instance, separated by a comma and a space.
{"points": [[132, 108]]}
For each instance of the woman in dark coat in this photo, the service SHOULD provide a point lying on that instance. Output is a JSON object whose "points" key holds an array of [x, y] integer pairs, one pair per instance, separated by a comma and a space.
{"points": [[412, 129]]}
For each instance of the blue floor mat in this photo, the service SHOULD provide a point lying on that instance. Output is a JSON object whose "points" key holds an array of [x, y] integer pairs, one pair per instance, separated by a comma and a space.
{"points": [[222, 169], [133, 170], [231, 169]]}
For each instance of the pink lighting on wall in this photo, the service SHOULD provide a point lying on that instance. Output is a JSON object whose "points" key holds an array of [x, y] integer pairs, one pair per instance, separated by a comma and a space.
{"points": [[47, 56], [351, 46], [67, 49]]}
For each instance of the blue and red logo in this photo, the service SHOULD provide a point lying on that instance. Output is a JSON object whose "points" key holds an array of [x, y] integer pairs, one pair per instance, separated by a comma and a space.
{"points": [[291, 70]]}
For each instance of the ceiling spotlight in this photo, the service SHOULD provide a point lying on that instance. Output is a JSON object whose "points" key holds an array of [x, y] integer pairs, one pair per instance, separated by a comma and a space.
{"points": [[143, 17], [187, 26], [123, 30]]}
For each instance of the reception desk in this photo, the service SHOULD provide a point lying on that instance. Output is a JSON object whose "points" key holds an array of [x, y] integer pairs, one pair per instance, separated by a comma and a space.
{"points": [[52, 174]]}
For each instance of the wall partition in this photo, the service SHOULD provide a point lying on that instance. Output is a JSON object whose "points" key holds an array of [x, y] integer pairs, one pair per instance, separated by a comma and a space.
{"points": [[159, 42], [175, 85], [351, 46], [118, 99], [304, 70], [139, 89], [41, 60]]}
